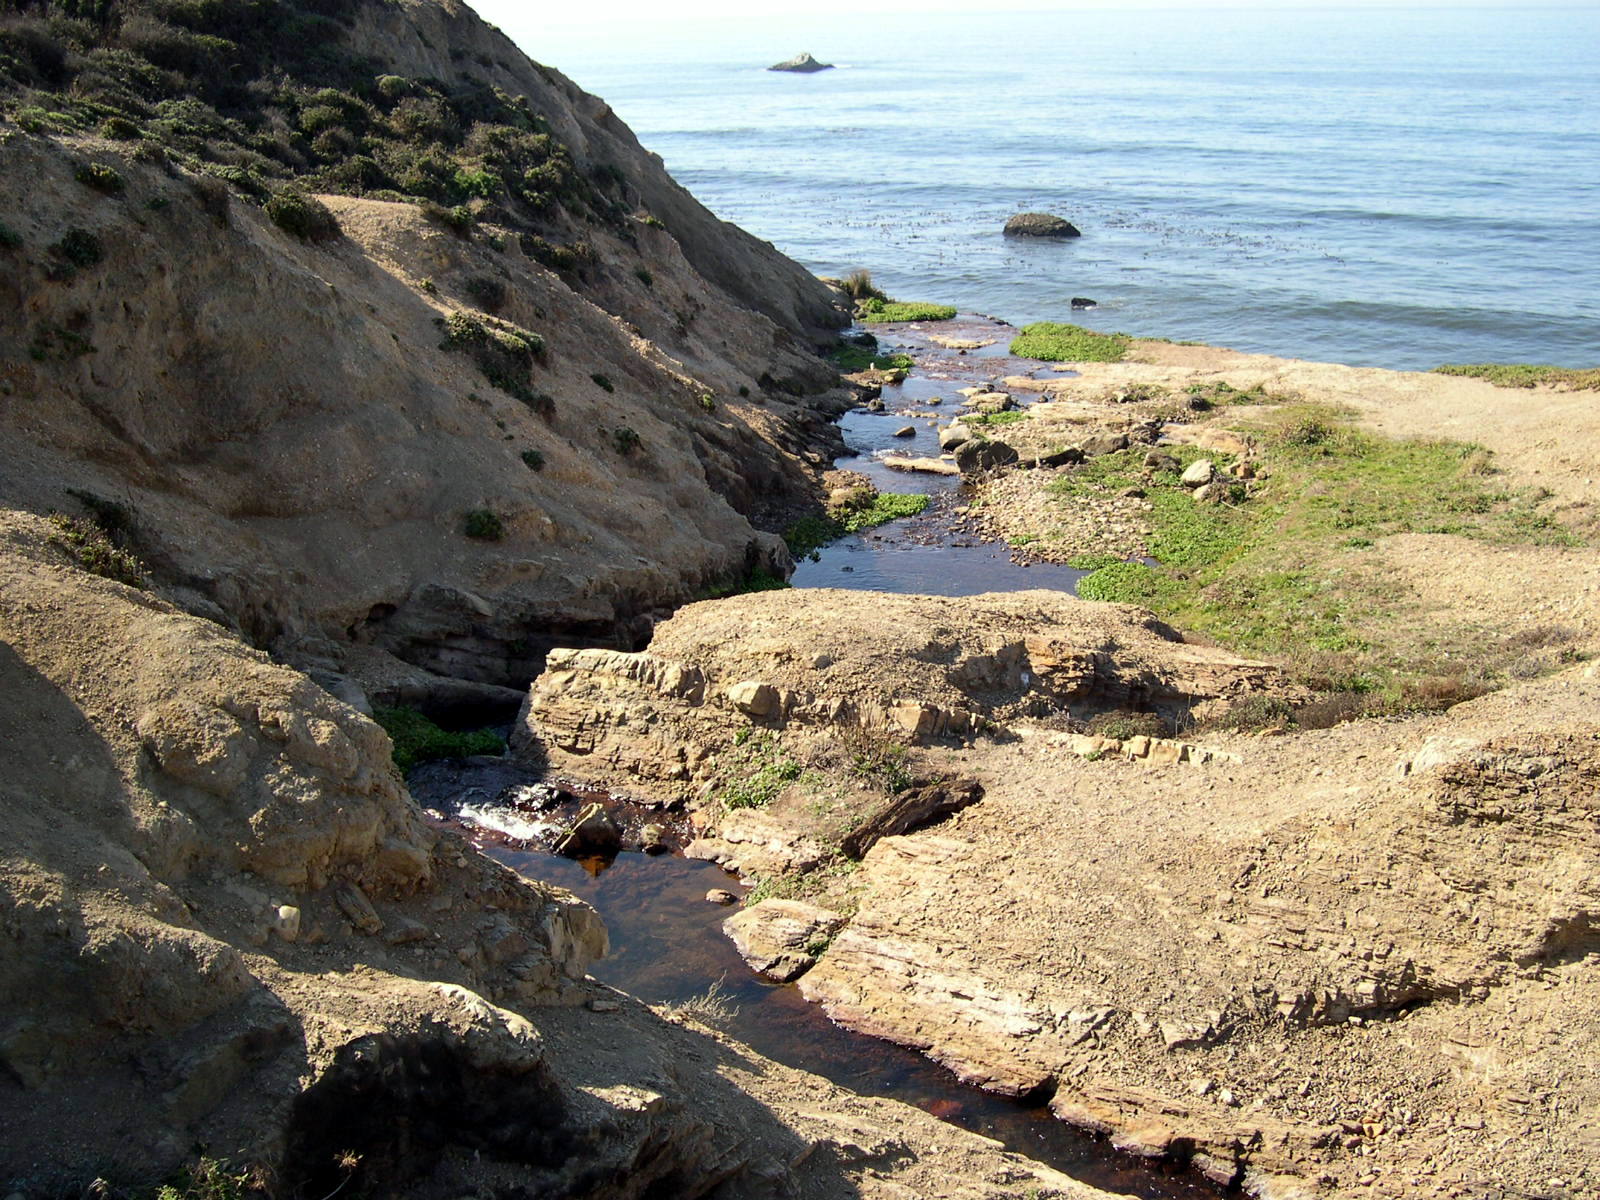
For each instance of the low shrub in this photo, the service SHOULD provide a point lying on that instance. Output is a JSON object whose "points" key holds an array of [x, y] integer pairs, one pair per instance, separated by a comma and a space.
{"points": [[486, 291], [1050, 341], [626, 440], [643, 275], [91, 546], [484, 525], [603, 383], [417, 739], [78, 249], [102, 178], [534, 459], [119, 129], [214, 196], [10, 239], [303, 215], [1123, 724], [708, 402]]}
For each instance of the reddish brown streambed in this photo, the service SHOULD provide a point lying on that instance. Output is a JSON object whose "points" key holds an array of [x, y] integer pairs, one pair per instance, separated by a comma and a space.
{"points": [[667, 947]]}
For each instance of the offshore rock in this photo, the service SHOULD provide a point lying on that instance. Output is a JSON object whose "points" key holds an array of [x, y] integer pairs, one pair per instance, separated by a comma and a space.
{"points": [[802, 64], [1041, 225]]}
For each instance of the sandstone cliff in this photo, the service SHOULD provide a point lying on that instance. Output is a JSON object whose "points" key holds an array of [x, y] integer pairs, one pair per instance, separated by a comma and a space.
{"points": [[623, 387]]}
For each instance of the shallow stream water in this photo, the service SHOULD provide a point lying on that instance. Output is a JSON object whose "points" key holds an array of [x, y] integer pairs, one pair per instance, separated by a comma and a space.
{"points": [[667, 945]]}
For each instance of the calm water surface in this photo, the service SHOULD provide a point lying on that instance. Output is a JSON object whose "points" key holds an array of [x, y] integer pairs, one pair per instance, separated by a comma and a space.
{"points": [[1385, 187]]}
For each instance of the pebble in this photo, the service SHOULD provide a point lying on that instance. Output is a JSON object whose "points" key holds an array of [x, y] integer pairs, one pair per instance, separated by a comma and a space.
{"points": [[603, 1006], [721, 896]]}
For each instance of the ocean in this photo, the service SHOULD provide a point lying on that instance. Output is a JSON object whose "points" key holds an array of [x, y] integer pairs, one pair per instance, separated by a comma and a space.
{"points": [[1382, 187]]}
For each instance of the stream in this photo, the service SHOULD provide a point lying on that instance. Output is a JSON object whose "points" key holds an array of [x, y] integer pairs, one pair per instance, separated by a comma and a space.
{"points": [[667, 945]]}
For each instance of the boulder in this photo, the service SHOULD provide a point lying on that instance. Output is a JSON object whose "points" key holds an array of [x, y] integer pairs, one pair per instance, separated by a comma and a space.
{"points": [[801, 64], [1104, 443], [974, 458], [781, 938], [594, 832], [1041, 225], [993, 402], [955, 435], [1066, 457], [906, 431], [1158, 461], [1082, 302], [1198, 473]]}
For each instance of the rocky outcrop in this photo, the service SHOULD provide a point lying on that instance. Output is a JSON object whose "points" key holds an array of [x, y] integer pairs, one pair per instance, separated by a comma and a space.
{"points": [[781, 939], [228, 927], [1041, 225], [802, 64], [921, 669], [1291, 964]]}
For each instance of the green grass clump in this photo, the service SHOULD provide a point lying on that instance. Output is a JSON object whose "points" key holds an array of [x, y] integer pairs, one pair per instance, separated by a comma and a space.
{"points": [[10, 239], [626, 440], [990, 420], [850, 359], [758, 580], [417, 739], [1050, 341], [809, 534], [882, 312], [757, 769], [483, 525], [304, 216], [885, 506], [603, 382], [534, 459], [77, 250], [1526, 375]]}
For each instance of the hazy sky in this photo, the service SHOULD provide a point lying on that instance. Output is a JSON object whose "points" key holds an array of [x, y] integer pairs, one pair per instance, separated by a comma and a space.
{"points": [[511, 15]]}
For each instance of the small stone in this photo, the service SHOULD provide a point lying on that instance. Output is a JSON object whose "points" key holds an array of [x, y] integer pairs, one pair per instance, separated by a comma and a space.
{"points": [[601, 1005], [651, 839], [353, 902], [906, 431], [721, 896], [1202, 1087], [1228, 1098], [753, 698], [286, 922], [1198, 473], [955, 435], [404, 931]]}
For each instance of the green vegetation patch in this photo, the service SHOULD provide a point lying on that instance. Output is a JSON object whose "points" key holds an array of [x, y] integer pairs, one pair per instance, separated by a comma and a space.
{"points": [[757, 769], [505, 354], [809, 534], [850, 359], [1526, 375], [881, 312], [1049, 341], [1283, 572], [483, 525], [991, 420], [91, 545], [418, 740]]}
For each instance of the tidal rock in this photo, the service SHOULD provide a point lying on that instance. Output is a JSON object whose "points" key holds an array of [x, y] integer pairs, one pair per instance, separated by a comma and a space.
{"points": [[993, 402], [802, 64], [594, 832], [1041, 225], [906, 431], [1082, 302], [955, 435], [928, 466], [974, 458], [721, 896], [652, 839], [1198, 473], [1067, 457], [781, 939]]}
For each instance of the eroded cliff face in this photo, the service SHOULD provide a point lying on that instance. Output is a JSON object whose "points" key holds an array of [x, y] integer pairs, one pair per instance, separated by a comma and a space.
{"points": [[298, 442]]}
